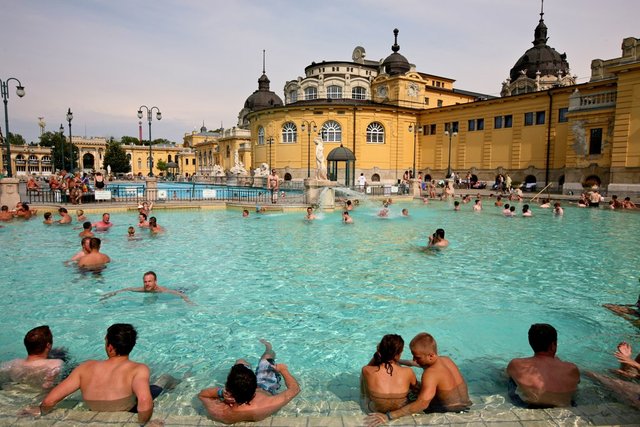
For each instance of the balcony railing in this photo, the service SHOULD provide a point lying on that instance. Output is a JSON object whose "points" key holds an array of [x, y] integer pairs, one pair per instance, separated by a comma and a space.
{"points": [[578, 102]]}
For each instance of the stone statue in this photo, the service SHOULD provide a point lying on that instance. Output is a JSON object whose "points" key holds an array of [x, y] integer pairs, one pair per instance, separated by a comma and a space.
{"points": [[262, 171], [238, 167], [321, 165], [217, 170]]}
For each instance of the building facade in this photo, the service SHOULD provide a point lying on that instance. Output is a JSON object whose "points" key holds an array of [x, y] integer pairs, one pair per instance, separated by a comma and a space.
{"points": [[544, 129]]}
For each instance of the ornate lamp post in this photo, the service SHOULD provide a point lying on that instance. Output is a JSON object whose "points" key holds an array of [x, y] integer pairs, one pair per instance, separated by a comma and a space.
{"points": [[4, 86], [270, 141], [149, 119], [416, 129], [450, 134], [69, 118], [306, 124], [62, 146]]}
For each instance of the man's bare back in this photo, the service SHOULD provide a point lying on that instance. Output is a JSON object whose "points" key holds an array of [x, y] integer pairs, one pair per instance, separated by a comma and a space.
{"points": [[544, 380]]}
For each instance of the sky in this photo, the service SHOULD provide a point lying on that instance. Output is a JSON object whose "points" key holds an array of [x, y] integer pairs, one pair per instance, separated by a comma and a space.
{"points": [[198, 60]]}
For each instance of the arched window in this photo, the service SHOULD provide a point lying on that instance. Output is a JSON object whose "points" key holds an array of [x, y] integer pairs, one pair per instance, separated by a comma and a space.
{"points": [[331, 131], [260, 135], [311, 93], [293, 96], [289, 133], [359, 92], [287, 176], [168, 157], [334, 92], [375, 133]]}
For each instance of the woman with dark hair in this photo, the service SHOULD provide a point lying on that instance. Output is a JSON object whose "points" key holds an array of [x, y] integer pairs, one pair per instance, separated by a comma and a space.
{"points": [[384, 384]]}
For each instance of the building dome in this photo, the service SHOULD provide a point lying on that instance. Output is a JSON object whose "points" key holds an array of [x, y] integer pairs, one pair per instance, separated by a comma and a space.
{"points": [[340, 154], [540, 58], [263, 97], [395, 63]]}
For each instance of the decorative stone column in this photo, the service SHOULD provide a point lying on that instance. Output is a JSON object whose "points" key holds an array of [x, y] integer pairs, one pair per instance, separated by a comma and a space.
{"points": [[415, 188], [9, 194], [320, 192], [152, 188]]}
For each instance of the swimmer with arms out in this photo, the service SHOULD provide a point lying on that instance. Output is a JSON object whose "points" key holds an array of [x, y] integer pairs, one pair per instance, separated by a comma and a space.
{"points": [[150, 285], [443, 389], [94, 260]]}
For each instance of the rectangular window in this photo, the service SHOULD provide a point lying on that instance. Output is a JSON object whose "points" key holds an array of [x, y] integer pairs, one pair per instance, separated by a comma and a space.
{"points": [[480, 124], [186, 161], [497, 122], [595, 142], [439, 102], [508, 121], [528, 119], [540, 117], [562, 115], [432, 129], [471, 126], [426, 100]]}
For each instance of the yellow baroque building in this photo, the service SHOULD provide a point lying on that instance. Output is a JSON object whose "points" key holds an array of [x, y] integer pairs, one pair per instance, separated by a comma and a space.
{"points": [[545, 129]]}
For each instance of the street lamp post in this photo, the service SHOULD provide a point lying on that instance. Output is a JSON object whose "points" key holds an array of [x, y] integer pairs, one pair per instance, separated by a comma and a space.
{"points": [[416, 129], [308, 124], [149, 118], [270, 141], [4, 86], [69, 118], [62, 146], [450, 134]]}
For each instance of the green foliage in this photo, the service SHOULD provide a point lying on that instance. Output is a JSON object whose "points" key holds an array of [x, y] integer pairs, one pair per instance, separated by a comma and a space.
{"points": [[16, 139], [63, 155], [116, 157], [128, 140], [162, 165], [163, 141]]}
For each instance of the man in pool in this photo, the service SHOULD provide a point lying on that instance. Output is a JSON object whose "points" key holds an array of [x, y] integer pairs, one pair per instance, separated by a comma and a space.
{"points": [[437, 240], [150, 284], [249, 396], [310, 215], [105, 224], [37, 369], [65, 218], [86, 230], [542, 380], [113, 385], [94, 260], [442, 388]]}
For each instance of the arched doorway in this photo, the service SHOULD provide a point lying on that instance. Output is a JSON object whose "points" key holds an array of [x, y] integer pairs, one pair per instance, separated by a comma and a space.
{"points": [[591, 181], [341, 155], [287, 176], [88, 161]]}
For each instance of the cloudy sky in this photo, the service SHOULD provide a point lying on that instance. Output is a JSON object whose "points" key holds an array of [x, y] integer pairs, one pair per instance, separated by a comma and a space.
{"points": [[198, 60]]}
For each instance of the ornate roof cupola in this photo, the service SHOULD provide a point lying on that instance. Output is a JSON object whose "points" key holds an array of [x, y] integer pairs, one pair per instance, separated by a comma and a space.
{"points": [[259, 99], [395, 63], [203, 129], [540, 68]]}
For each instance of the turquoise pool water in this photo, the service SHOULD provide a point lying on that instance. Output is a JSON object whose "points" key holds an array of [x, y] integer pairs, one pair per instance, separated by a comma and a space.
{"points": [[324, 293]]}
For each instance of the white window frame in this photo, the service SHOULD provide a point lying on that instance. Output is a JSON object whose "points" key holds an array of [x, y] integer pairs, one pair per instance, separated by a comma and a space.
{"points": [[331, 131], [310, 93], [359, 92], [260, 136], [334, 92], [289, 133], [375, 133]]}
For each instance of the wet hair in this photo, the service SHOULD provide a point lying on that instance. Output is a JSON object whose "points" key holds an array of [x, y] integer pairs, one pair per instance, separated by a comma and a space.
{"points": [[627, 199], [241, 383], [456, 203], [4, 208], [390, 346], [122, 337], [25, 206], [144, 215], [440, 233], [348, 202], [541, 336], [525, 208], [79, 212], [62, 210], [425, 342], [512, 208], [153, 221], [47, 215], [130, 229], [506, 205], [95, 243], [155, 276], [477, 200], [86, 225], [36, 340]]}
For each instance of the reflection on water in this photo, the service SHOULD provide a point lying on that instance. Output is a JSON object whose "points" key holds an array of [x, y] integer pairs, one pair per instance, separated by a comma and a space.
{"points": [[324, 294]]}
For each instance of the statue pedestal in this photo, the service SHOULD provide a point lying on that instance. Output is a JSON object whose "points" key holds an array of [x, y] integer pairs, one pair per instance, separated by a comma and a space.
{"points": [[320, 192], [9, 192], [152, 188], [414, 188]]}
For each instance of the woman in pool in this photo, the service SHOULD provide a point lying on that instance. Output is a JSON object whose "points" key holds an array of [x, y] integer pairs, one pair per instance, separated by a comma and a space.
{"points": [[384, 384]]}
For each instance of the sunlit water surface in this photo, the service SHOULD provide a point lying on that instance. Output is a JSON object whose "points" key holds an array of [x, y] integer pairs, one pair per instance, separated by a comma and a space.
{"points": [[324, 293]]}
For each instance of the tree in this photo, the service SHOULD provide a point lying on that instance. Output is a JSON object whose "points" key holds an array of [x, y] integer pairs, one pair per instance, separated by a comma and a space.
{"points": [[162, 165], [128, 140], [163, 141], [16, 139], [63, 154], [116, 157]]}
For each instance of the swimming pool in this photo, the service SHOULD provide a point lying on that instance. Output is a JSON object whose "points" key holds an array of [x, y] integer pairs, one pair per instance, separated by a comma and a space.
{"points": [[324, 293]]}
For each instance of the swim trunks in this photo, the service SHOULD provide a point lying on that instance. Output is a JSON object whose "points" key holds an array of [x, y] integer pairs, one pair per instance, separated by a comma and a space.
{"points": [[155, 392], [267, 376]]}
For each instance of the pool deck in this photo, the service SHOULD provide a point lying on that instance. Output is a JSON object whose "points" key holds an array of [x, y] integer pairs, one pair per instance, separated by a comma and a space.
{"points": [[609, 414]]}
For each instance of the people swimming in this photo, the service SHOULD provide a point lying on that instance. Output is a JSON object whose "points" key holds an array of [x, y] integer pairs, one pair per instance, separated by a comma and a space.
{"points": [[437, 240], [149, 285], [310, 216], [94, 260]]}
